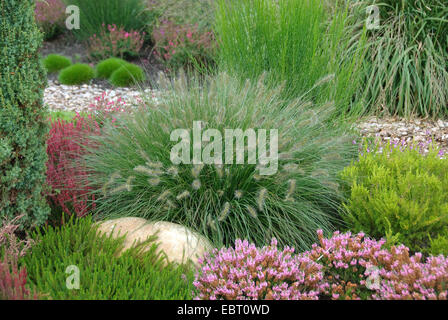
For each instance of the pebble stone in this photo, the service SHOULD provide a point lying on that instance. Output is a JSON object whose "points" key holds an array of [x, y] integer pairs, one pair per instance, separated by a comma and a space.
{"points": [[406, 130], [59, 97], [79, 98]]}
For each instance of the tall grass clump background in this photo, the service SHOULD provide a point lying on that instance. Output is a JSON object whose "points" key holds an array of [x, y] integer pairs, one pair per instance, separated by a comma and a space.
{"points": [[133, 175], [185, 12], [129, 14], [406, 70], [299, 42]]}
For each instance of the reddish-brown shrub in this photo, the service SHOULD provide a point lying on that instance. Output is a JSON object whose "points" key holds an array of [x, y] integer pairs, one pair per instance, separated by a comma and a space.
{"points": [[65, 146], [13, 279]]}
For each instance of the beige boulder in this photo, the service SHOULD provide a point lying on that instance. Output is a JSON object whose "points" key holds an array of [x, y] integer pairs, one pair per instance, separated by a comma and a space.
{"points": [[177, 242], [121, 226]]}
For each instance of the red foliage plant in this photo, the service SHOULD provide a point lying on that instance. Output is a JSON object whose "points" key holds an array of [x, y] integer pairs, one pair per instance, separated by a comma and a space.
{"points": [[67, 144], [13, 279]]}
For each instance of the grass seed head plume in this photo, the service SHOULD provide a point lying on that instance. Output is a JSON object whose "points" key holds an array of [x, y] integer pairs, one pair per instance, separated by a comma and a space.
{"points": [[290, 204]]}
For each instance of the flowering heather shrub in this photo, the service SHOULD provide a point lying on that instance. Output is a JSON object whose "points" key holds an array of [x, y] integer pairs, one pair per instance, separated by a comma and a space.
{"points": [[245, 272], [12, 279], [405, 278], [388, 191], [356, 267], [66, 145], [114, 41], [345, 260], [50, 17], [344, 266], [180, 46]]}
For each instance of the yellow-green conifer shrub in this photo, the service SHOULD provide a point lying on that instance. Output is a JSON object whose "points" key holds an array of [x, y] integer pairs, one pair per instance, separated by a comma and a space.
{"points": [[402, 195], [23, 127]]}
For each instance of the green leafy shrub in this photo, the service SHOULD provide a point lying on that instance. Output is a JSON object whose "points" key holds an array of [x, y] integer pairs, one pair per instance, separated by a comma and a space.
{"points": [[103, 274], [23, 128], [105, 68], [131, 167], [76, 74], [129, 14], [56, 62], [400, 195], [127, 75], [297, 42]]}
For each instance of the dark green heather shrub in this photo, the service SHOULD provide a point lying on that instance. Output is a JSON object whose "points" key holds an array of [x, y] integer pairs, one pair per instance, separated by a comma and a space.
{"points": [[56, 62], [105, 68], [401, 195], [23, 127], [133, 174], [127, 75], [76, 74], [103, 274]]}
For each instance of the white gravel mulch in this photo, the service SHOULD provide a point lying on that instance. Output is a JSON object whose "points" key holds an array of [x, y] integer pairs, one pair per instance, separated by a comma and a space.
{"points": [[80, 98], [61, 97], [405, 131]]}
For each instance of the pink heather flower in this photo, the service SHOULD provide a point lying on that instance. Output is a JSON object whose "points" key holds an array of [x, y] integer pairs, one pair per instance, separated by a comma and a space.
{"points": [[114, 41], [234, 274], [49, 12], [339, 267]]}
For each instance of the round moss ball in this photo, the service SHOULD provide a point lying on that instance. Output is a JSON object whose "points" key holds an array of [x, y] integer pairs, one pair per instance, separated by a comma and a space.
{"points": [[127, 75], [105, 68], [76, 74], [56, 62]]}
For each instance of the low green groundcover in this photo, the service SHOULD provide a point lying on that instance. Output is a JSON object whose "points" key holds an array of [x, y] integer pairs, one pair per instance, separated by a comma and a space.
{"points": [[58, 253]]}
